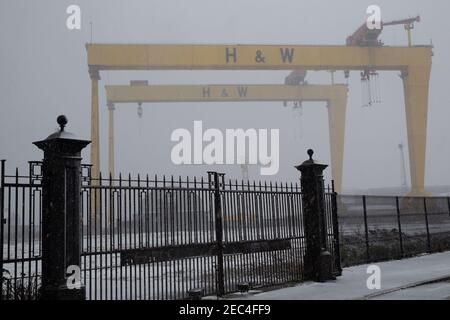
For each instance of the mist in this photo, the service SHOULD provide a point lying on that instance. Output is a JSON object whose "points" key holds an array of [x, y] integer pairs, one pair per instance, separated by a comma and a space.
{"points": [[44, 74]]}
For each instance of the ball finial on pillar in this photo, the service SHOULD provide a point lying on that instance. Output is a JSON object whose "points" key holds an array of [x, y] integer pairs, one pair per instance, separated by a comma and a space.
{"points": [[62, 121]]}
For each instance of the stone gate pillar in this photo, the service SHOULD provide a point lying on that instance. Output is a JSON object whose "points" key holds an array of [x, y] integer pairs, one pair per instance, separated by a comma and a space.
{"points": [[318, 260], [61, 218]]}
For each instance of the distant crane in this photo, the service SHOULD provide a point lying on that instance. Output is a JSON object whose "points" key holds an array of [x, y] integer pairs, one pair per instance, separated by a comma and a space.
{"points": [[295, 78], [370, 87], [244, 172], [402, 165], [140, 111], [364, 37], [243, 163]]}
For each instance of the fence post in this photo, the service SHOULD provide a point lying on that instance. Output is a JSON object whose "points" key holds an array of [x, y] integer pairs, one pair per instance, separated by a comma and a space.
{"points": [[448, 204], [61, 218], [318, 261], [427, 225], [366, 229], [219, 233], [402, 253], [337, 248], [2, 221]]}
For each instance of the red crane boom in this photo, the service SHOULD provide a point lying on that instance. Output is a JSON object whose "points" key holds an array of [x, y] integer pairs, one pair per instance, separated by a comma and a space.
{"points": [[369, 38]]}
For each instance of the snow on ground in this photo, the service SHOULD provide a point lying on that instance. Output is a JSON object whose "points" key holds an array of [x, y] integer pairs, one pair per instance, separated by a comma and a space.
{"points": [[352, 283], [432, 291]]}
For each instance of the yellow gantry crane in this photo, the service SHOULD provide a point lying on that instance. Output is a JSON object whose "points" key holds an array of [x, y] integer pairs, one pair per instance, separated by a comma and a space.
{"points": [[334, 95], [413, 62]]}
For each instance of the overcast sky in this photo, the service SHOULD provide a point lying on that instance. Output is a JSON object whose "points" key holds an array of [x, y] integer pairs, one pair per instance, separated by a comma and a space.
{"points": [[43, 73]]}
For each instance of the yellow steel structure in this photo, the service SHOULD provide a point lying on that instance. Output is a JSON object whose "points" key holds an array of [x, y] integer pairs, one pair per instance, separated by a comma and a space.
{"points": [[334, 95], [413, 62], [223, 93]]}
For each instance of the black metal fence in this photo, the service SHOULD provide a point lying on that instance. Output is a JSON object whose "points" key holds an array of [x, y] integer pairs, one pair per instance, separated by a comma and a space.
{"points": [[158, 238], [21, 249], [375, 228]]}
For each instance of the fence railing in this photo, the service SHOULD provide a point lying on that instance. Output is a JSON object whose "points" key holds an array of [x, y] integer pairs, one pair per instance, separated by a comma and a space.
{"points": [[159, 238], [21, 234], [376, 228]]}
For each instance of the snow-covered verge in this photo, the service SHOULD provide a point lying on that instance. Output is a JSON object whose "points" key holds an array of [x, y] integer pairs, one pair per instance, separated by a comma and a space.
{"points": [[353, 282]]}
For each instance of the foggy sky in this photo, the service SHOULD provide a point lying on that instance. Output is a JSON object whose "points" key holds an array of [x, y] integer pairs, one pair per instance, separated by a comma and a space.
{"points": [[43, 73]]}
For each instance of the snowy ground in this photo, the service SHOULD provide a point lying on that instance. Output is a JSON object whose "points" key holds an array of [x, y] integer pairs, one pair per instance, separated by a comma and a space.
{"points": [[432, 291], [352, 283]]}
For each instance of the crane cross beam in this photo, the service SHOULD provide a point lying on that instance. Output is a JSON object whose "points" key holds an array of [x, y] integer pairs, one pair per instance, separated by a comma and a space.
{"points": [[223, 93], [252, 57]]}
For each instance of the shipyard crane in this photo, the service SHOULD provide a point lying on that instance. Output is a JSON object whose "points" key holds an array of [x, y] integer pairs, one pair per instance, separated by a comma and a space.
{"points": [[413, 62], [334, 95], [364, 37], [140, 111], [295, 78]]}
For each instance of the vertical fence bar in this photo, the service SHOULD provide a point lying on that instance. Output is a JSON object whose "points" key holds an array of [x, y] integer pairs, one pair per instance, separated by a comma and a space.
{"points": [[337, 248], [120, 233], [448, 204], [366, 229], [29, 214], [219, 235], [2, 221], [113, 255], [99, 250], [22, 245], [427, 225], [400, 236], [94, 217], [16, 231], [89, 239]]}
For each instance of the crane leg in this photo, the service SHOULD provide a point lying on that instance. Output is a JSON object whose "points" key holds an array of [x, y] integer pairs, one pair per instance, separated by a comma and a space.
{"points": [[416, 84], [408, 30], [111, 159], [336, 118], [95, 152]]}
